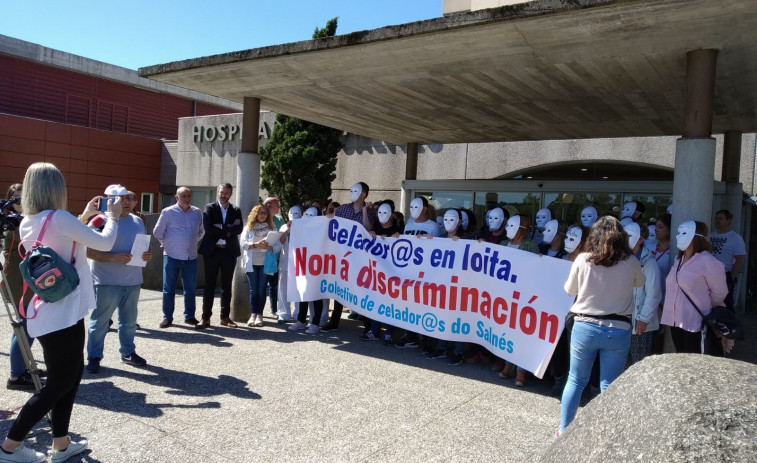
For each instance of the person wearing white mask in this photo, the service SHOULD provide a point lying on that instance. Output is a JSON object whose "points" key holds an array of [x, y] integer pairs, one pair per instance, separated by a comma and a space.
{"points": [[517, 237], [517, 234], [421, 222], [553, 237], [588, 216], [633, 210], [453, 224], [543, 216], [651, 241], [361, 212], [496, 219], [574, 241], [284, 307], [647, 298], [698, 274], [386, 226]]}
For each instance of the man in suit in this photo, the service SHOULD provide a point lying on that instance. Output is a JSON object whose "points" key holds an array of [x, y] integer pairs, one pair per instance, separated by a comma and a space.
{"points": [[220, 248]]}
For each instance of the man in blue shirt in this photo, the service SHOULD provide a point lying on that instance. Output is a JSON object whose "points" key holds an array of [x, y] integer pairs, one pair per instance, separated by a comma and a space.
{"points": [[117, 286]]}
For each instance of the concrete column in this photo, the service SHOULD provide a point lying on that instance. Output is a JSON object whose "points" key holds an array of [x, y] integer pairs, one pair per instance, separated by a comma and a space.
{"points": [[248, 189], [695, 151], [411, 173]]}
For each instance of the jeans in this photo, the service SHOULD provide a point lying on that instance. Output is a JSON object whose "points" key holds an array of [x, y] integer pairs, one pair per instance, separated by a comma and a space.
{"points": [[257, 280], [64, 361], [586, 341], [273, 292], [171, 269], [18, 364], [107, 299]]}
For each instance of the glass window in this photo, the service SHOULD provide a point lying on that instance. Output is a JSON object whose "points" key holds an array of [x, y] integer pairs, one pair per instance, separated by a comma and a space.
{"points": [[512, 202], [568, 206], [654, 205], [146, 203], [443, 200]]}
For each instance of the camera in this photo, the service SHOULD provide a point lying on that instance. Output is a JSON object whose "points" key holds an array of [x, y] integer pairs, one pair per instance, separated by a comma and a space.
{"points": [[9, 218]]}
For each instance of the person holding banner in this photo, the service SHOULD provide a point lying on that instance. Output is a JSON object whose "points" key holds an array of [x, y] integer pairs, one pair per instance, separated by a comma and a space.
{"points": [[602, 279], [496, 219], [422, 221], [517, 230], [453, 224], [361, 212], [552, 239]]}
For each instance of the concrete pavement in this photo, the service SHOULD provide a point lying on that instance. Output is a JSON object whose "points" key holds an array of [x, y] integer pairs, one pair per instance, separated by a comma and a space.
{"points": [[268, 394]]}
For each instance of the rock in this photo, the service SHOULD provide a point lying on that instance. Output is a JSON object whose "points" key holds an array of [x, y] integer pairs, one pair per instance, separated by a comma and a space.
{"points": [[668, 408]]}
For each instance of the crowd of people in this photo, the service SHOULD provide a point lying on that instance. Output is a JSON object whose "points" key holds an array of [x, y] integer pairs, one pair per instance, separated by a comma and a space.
{"points": [[625, 283]]}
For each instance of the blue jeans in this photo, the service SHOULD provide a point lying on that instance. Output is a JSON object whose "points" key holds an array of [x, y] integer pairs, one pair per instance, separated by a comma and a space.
{"points": [[586, 341], [107, 299], [171, 269], [257, 280], [18, 365]]}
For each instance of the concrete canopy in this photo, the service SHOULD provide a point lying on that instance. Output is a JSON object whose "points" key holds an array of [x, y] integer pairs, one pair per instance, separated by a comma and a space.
{"points": [[543, 70]]}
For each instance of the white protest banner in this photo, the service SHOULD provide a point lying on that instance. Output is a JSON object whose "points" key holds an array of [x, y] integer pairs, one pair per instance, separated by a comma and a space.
{"points": [[511, 302]]}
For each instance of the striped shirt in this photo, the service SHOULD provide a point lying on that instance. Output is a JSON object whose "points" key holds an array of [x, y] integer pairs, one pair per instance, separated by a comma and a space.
{"points": [[179, 232]]}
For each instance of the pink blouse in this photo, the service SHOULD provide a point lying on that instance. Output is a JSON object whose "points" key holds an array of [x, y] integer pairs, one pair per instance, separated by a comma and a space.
{"points": [[703, 279]]}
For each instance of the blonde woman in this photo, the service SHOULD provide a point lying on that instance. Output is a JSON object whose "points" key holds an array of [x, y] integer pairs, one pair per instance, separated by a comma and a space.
{"points": [[59, 326], [254, 249]]}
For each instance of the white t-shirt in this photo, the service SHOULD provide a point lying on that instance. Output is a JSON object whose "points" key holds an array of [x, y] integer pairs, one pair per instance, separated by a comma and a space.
{"points": [[726, 246], [429, 227]]}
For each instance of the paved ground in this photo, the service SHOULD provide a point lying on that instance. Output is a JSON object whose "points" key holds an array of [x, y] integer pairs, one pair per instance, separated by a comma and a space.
{"points": [[267, 394]]}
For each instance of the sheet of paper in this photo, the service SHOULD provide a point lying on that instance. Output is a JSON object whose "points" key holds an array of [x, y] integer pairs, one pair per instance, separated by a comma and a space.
{"points": [[272, 237], [141, 245]]}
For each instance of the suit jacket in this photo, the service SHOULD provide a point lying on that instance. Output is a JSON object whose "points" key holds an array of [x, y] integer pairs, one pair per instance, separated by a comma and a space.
{"points": [[230, 231]]}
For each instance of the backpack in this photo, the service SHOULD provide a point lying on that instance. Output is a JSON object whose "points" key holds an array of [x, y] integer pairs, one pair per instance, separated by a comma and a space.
{"points": [[49, 276]]}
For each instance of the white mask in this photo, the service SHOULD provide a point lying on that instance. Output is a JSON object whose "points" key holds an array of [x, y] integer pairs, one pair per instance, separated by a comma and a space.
{"points": [[550, 231], [465, 220], [685, 235], [651, 242], [512, 227], [295, 212], [628, 209], [588, 216], [311, 212], [573, 238], [355, 192], [495, 218], [416, 207], [451, 220], [542, 217], [634, 234], [384, 213]]}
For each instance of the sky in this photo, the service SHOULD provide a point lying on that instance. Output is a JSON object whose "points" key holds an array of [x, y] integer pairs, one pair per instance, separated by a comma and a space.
{"points": [[146, 33]]}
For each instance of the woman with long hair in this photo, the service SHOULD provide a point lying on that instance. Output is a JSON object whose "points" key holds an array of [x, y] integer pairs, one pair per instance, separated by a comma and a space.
{"points": [[59, 326], [696, 273], [602, 279], [661, 253], [253, 243]]}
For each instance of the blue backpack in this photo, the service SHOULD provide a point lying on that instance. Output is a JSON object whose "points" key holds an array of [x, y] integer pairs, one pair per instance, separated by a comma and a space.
{"points": [[49, 276]]}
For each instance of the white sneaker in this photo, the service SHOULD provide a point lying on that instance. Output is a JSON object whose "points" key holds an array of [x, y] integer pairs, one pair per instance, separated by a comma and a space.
{"points": [[297, 326], [313, 329], [74, 448], [22, 454]]}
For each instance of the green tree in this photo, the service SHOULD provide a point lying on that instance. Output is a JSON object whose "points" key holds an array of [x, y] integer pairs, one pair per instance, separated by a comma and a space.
{"points": [[300, 157]]}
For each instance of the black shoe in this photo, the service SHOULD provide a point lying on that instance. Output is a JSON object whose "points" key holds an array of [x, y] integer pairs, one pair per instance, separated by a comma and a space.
{"points": [[329, 327], [191, 321], [134, 360], [455, 359], [22, 383], [165, 323]]}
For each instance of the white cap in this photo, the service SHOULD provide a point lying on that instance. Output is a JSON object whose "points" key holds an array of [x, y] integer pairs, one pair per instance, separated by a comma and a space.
{"points": [[116, 190]]}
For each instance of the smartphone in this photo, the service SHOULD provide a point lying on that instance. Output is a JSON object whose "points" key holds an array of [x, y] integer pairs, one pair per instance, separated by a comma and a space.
{"points": [[102, 206]]}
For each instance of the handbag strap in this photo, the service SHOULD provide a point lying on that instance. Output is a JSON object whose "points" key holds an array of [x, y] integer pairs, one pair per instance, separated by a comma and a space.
{"points": [[686, 294]]}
